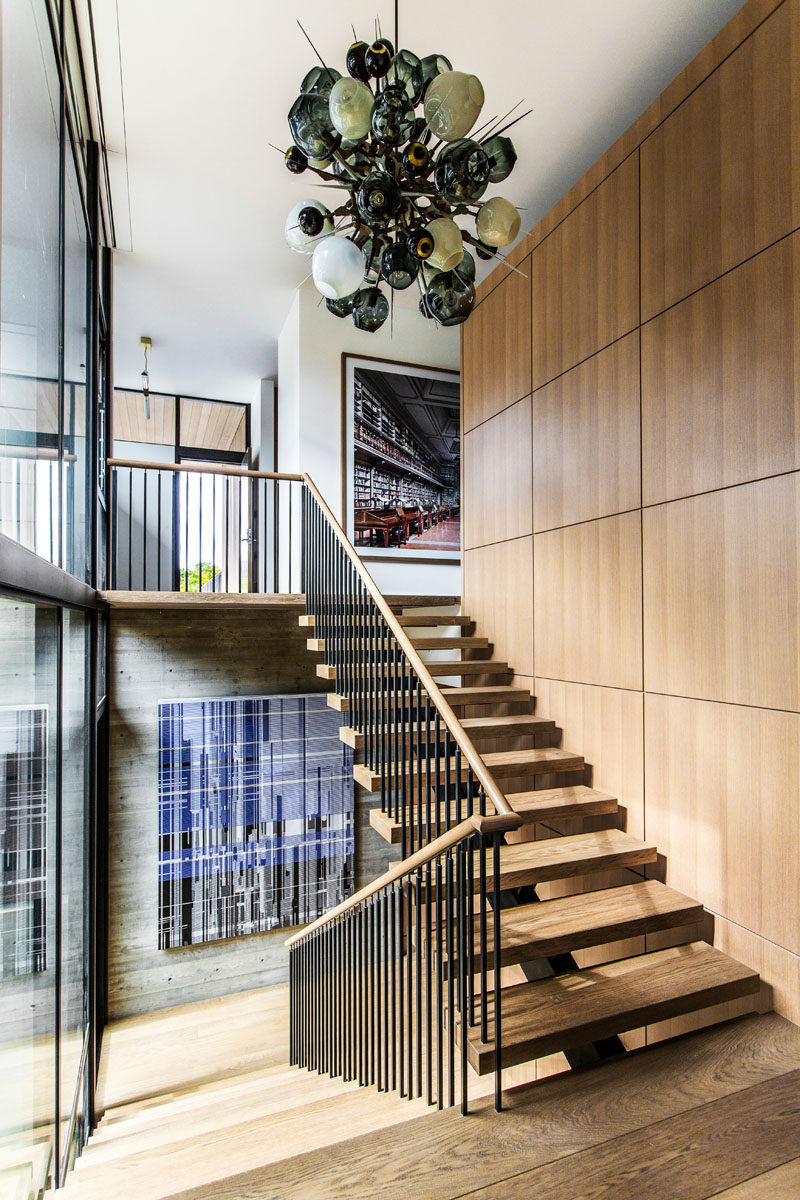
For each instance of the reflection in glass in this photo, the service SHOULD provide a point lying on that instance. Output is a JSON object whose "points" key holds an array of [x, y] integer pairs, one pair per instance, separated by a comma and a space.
{"points": [[75, 475], [73, 916], [28, 717], [29, 489]]}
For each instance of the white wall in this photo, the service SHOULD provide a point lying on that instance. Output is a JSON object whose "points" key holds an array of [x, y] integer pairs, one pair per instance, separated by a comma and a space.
{"points": [[310, 350]]}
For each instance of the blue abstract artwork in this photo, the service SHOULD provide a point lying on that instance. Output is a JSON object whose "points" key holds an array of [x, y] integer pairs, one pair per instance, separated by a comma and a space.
{"points": [[255, 815]]}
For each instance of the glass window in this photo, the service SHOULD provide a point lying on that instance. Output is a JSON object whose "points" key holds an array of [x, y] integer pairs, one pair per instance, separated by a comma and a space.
{"points": [[29, 285], [75, 722], [28, 817], [75, 474]]}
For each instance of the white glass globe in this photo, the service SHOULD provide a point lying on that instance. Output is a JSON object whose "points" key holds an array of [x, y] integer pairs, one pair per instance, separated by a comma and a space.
{"points": [[337, 267], [453, 103], [302, 242], [350, 106], [497, 222], [448, 248]]}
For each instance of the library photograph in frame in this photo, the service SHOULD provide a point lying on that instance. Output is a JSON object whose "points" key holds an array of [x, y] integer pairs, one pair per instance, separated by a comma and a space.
{"points": [[402, 468]]}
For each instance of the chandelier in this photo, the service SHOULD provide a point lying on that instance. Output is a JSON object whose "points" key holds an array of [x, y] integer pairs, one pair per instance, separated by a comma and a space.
{"points": [[392, 134]]}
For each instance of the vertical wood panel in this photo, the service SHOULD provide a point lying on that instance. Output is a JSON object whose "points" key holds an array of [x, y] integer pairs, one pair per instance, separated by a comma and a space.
{"points": [[498, 594], [605, 725], [722, 789], [496, 350], [586, 276], [586, 439], [497, 462], [721, 613], [588, 602], [720, 176], [721, 381]]}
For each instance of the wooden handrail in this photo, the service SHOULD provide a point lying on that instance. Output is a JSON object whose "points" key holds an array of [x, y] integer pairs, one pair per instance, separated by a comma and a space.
{"points": [[203, 469], [440, 845], [463, 741]]}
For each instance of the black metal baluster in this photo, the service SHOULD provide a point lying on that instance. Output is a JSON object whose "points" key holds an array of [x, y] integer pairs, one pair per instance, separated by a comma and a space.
{"points": [[397, 1037], [144, 530], [498, 989], [483, 900], [465, 937], [409, 986], [387, 1001], [439, 989], [158, 544], [418, 956], [451, 1008], [428, 987]]}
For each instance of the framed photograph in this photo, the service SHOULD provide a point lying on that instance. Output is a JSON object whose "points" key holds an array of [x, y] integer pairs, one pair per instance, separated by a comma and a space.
{"points": [[401, 459]]}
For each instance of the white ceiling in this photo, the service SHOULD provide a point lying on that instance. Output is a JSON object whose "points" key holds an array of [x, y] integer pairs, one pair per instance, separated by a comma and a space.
{"points": [[194, 90]]}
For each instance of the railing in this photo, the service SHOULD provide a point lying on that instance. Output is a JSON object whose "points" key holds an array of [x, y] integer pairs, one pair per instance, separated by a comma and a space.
{"points": [[184, 527], [385, 987], [368, 979]]}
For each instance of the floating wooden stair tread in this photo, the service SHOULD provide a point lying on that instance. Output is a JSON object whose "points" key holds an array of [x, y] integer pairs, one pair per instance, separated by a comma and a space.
{"points": [[528, 863], [450, 643], [577, 801], [532, 762], [432, 620], [462, 667], [513, 725], [460, 697], [583, 1006], [518, 725], [547, 804], [500, 762], [569, 923]]}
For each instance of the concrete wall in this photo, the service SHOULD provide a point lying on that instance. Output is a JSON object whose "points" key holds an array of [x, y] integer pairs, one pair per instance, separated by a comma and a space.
{"points": [[161, 655]]}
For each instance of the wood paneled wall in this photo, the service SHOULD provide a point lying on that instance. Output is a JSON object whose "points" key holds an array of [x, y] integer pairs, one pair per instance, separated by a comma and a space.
{"points": [[632, 512]]}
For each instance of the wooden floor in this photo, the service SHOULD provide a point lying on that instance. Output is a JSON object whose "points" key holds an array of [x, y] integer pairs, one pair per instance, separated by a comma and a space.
{"points": [[200, 1104]]}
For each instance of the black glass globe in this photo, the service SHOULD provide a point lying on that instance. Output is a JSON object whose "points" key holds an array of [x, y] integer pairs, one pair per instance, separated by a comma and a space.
{"points": [[370, 310], [392, 117], [433, 65], [461, 174], [311, 128], [378, 198], [420, 243], [356, 61], [379, 58], [295, 160], [416, 160], [484, 252], [450, 298], [357, 162], [399, 265], [502, 157], [320, 80], [343, 307], [406, 71], [421, 131], [466, 268], [372, 249], [310, 221]]}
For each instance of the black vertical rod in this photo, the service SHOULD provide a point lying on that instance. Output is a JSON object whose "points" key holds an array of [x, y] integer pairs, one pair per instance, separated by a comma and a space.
{"points": [[289, 548], [409, 988], [158, 543], [428, 986], [130, 527], [418, 906], [439, 988], [451, 1008], [397, 1040], [465, 938], [213, 530], [144, 531], [483, 900], [387, 991], [498, 990]]}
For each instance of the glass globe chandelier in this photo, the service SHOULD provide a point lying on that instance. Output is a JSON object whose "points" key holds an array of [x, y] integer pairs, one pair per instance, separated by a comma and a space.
{"points": [[397, 135]]}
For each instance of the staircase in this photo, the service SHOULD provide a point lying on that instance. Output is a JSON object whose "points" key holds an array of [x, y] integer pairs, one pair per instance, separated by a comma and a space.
{"points": [[546, 894]]}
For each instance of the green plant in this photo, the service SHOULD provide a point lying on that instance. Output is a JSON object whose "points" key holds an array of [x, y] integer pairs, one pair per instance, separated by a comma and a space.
{"points": [[200, 574]]}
